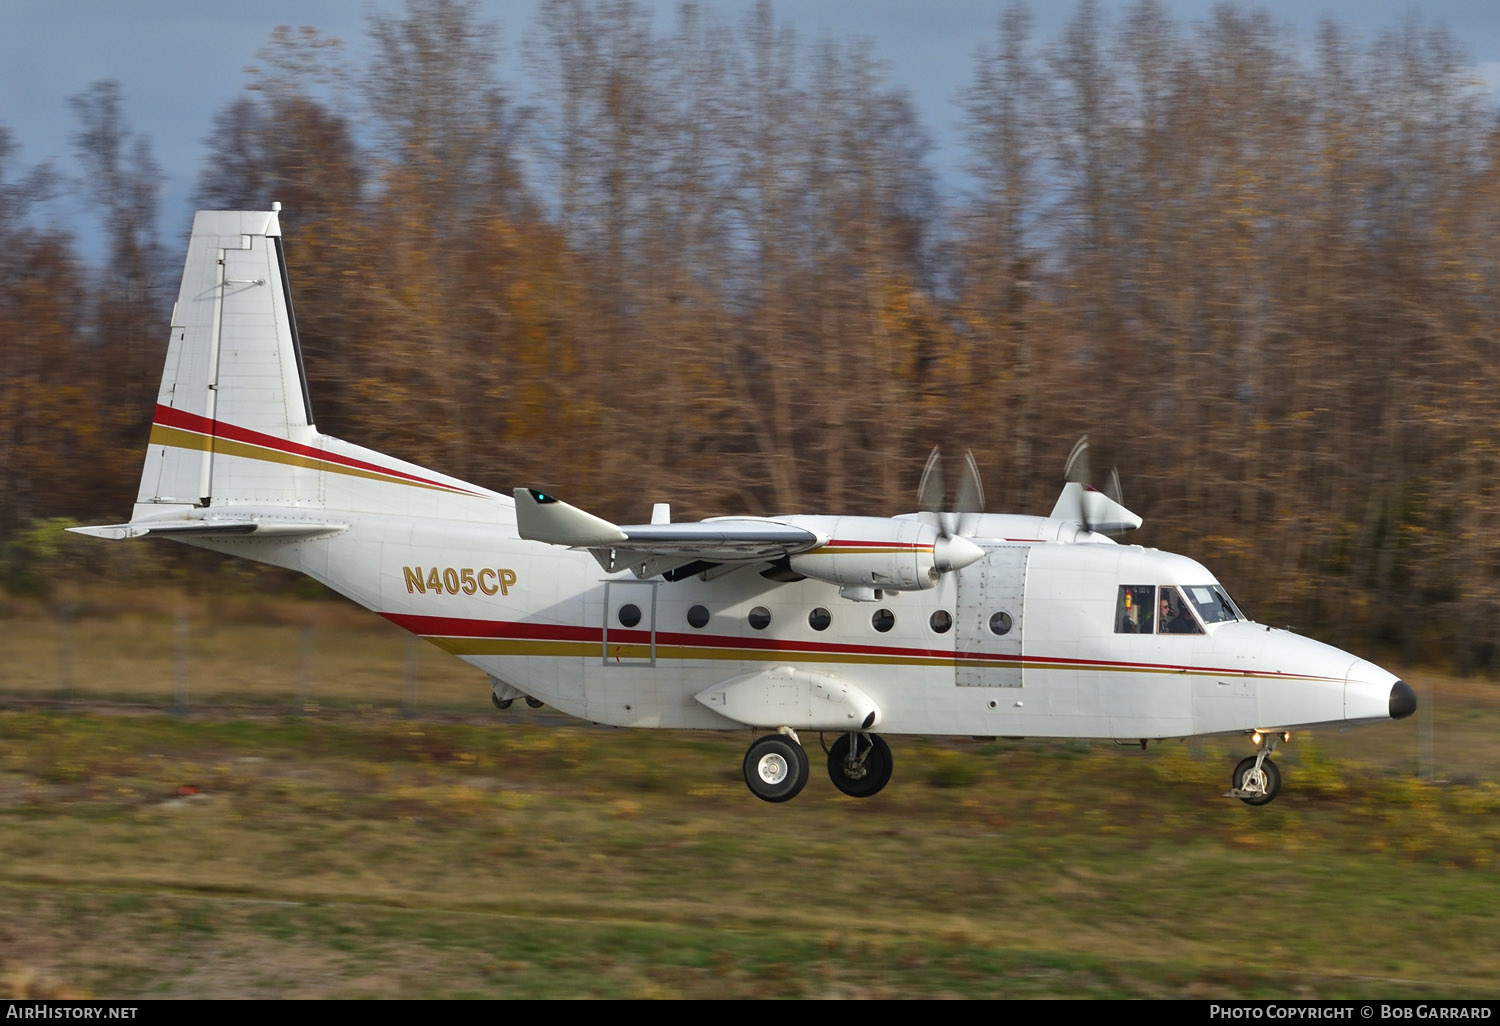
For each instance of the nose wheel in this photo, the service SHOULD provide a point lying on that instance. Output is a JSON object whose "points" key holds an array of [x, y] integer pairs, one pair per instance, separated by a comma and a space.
{"points": [[776, 768], [1256, 780]]}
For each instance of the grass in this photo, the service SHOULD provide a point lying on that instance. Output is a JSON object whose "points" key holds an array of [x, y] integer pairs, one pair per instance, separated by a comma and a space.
{"points": [[168, 649], [358, 852]]}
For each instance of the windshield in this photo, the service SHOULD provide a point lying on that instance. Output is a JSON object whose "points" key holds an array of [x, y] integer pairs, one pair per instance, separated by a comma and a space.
{"points": [[1213, 603]]}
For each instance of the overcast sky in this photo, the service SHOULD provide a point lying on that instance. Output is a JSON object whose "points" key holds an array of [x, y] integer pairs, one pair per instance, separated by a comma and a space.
{"points": [[179, 62]]}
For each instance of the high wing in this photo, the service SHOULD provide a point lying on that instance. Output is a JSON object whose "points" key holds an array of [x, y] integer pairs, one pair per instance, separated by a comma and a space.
{"points": [[649, 549]]}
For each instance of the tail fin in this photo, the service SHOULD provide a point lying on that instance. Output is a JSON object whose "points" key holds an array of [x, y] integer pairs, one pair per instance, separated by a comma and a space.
{"points": [[233, 386], [233, 449]]}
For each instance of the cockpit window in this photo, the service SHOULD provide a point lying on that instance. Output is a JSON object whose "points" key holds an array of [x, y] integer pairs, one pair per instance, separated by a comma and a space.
{"points": [[1213, 603], [1172, 614], [1133, 610]]}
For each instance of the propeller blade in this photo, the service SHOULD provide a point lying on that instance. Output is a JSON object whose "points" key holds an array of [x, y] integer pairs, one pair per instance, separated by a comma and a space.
{"points": [[930, 490], [1076, 470], [1077, 467], [962, 518], [1112, 486], [970, 496], [1095, 510], [970, 488]]}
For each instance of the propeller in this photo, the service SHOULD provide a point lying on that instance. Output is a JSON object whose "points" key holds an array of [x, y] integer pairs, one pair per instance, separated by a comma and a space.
{"points": [[1075, 503], [956, 526]]}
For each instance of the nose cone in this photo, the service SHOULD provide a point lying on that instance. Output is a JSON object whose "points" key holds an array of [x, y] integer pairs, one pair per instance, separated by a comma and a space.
{"points": [[1403, 700], [1373, 695]]}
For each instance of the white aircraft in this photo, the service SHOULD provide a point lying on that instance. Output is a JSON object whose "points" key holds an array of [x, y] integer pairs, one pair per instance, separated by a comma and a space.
{"points": [[958, 623]]}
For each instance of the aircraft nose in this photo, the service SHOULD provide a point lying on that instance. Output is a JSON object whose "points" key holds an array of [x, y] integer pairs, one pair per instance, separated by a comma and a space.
{"points": [[1403, 700]]}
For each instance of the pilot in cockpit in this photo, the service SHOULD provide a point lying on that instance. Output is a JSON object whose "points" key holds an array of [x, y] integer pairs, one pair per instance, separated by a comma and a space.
{"points": [[1175, 620]]}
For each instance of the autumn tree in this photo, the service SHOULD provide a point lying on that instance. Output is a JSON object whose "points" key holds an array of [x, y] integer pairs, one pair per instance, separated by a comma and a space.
{"points": [[715, 257], [1004, 109], [122, 180]]}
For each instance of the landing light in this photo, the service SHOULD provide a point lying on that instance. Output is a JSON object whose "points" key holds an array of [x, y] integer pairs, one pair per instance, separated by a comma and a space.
{"points": [[1255, 738]]}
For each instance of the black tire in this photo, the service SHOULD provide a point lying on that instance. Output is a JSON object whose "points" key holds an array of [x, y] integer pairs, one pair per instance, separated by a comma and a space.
{"points": [[1273, 780], [877, 766], [500, 703], [535, 703], [776, 768]]}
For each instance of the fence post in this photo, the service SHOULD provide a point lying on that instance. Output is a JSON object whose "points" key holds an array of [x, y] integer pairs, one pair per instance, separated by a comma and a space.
{"points": [[65, 614], [181, 634], [1425, 755], [409, 678], [305, 702]]}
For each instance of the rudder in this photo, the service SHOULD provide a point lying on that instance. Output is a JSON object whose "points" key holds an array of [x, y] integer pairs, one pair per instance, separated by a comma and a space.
{"points": [[233, 408]]}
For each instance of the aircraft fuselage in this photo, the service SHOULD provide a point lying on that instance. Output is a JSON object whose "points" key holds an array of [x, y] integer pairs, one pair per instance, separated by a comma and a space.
{"points": [[617, 650]]}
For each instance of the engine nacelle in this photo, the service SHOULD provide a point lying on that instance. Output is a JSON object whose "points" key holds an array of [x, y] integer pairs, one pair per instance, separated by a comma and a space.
{"points": [[904, 554]]}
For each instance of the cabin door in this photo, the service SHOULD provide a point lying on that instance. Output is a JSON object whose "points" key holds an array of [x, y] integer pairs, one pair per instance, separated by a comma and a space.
{"points": [[629, 633]]}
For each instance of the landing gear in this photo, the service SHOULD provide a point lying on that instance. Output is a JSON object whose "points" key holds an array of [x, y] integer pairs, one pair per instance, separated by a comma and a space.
{"points": [[859, 771], [1256, 780], [535, 703], [776, 768], [503, 694]]}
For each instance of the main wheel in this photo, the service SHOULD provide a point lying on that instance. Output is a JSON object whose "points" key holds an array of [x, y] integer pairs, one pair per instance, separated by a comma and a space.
{"points": [[1243, 776], [500, 703], [871, 770], [775, 768]]}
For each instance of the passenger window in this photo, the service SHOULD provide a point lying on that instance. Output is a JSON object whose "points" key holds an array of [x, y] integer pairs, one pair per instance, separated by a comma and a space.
{"points": [[1172, 614], [1133, 610], [819, 619]]}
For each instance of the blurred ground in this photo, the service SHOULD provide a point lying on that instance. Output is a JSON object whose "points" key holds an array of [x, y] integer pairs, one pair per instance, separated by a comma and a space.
{"points": [[339, 812]]}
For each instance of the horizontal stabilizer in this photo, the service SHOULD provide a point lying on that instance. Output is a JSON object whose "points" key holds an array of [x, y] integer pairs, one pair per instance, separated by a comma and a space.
{"points": [[218, 528]]}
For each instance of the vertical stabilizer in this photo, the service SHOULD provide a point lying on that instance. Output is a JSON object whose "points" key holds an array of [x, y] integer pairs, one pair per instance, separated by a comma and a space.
{"points": [[232, 423]]}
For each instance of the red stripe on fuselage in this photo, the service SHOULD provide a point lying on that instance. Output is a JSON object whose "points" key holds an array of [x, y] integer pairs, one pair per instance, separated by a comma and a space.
{"points": [[458, 627], [454, 627], [166, 416]]}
